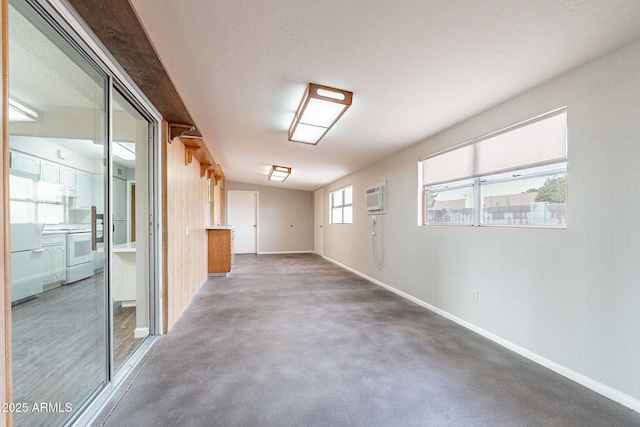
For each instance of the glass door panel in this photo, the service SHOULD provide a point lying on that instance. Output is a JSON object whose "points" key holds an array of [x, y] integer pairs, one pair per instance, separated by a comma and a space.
{"points": [[58, 133], [130, 281]]}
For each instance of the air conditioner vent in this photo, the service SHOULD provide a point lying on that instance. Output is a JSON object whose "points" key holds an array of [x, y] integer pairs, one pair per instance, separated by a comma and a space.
{"points": [[375, 198]]}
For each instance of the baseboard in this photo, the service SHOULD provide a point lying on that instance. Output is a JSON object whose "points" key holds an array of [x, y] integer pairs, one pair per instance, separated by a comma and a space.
{"points": [[140, 332], [590, 383], [285, 252]]}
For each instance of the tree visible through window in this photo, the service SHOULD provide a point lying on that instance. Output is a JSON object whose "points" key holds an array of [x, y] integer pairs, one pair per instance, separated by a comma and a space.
{"points": [[513, 177]]}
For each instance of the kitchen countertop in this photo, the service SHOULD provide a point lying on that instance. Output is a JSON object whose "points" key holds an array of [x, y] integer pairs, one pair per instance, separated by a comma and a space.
{"points": [[66, 229], [52, 232], [220, 227], [124, 247]]}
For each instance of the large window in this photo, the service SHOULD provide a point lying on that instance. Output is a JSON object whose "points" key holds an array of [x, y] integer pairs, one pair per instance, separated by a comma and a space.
{"points": [[514, 177], [342, 205], [34, 201]]}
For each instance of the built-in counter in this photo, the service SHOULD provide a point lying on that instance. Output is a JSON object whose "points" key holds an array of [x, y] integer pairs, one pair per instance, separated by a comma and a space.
{"points": [[220, 240]]}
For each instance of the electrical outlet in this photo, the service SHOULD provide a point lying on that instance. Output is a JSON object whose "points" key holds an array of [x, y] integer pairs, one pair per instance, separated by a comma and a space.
{"points": [[474, 295]]}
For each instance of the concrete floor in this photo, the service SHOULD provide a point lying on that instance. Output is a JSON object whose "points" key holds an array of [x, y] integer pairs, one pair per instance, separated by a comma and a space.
{"points": [[293, 340]]}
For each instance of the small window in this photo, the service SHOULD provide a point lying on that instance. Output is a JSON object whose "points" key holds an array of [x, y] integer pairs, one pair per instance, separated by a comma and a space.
{"points": [[341, 205], [514, 177]]}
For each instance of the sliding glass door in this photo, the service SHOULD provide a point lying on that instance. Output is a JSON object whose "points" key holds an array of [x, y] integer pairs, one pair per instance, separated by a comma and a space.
{"points": [[81, 187], [58, 127], [130, 253]]}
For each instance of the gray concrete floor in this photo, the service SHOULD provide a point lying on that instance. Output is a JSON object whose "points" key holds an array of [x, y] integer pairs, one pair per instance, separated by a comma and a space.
{"points": [[293, 340]]}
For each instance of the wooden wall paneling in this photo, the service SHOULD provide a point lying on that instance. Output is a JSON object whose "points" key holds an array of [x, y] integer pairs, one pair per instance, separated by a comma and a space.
{"points": [[5, 249], [165, 225], [186, 237]]}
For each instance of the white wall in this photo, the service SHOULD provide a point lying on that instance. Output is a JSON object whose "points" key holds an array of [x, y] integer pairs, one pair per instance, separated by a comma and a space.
{"points": [[285, 218], [571, 297]]}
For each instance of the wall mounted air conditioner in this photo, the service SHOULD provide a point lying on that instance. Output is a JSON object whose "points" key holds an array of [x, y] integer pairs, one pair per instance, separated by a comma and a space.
{"points": [[375, 199]]}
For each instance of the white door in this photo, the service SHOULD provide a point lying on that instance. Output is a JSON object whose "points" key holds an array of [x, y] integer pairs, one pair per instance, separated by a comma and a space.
{"points": [[319, 222], [242, 211]]}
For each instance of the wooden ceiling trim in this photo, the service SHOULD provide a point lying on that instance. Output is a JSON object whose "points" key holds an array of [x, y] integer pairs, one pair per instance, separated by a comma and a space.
{"points": [[196, 148], [117, 26]]}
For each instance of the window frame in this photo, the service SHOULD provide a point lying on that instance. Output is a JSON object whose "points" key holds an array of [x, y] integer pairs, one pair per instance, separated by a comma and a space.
{"points": [[340, 206], [38, 203], [449, 186], [534, 148], [477, 184]]}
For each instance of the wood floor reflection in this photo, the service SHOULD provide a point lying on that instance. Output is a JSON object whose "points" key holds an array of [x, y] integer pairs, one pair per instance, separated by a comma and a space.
{"points": [[60, 348], [124, 325]]}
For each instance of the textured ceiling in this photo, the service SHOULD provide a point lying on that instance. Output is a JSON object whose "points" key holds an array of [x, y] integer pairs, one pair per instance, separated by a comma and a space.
{"points": [[415, 67]]}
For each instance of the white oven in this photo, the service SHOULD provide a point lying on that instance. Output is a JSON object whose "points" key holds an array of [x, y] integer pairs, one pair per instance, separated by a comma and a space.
{"points": [[79, 255], [78, 248]]}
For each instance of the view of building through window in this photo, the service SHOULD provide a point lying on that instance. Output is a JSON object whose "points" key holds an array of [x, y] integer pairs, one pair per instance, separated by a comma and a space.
{"points": [[514, 177]]}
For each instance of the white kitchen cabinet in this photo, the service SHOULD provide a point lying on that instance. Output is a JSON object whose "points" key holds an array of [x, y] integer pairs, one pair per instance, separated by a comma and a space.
{"points": [[119, 211], [27, 271], [25, 163], [49, 172], [119, 232], [68, 178], [55, 255], [84, 190], [124, 274], [98, 258], [119, 199], [98, 192]]}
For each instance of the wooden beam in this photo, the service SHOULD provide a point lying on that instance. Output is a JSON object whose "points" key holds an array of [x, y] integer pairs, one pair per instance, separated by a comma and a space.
{"points": [[183, 131], [117, 26], [176, 131], [218, 175]]}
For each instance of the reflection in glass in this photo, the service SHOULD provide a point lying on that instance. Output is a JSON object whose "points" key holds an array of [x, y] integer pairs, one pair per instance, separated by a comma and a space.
{"points": [[130, 282], [446, 206], [530, 201], [59, 308]]}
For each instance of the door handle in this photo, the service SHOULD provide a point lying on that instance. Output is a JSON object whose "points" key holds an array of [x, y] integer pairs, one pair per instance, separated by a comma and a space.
{"points": [[95, 217]]}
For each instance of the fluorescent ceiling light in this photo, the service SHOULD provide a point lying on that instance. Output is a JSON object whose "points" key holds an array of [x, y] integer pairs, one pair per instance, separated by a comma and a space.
{"points": [[320, 109], [21, 113], [124, 150], [279, 173]]}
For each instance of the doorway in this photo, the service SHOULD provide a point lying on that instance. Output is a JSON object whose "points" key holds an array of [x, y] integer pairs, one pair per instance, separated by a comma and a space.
{"points": [[242, 212]]}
